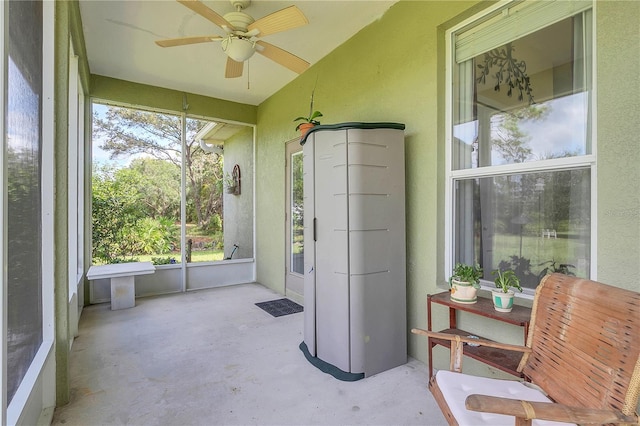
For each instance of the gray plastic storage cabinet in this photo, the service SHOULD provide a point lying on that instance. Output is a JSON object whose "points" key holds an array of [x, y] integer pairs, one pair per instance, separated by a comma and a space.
{"points": [[354, 248]]}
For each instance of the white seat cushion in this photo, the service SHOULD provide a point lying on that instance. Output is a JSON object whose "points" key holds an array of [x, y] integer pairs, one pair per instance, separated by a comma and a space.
{"points": [[456, 387]]}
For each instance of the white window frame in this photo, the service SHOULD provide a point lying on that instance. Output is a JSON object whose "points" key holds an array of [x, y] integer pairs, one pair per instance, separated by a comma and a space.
{"points": [[451, 176]]}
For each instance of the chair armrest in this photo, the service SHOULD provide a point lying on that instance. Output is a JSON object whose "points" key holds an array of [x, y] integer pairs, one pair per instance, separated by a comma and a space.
{"points": [[481, 342], [524, 411]]}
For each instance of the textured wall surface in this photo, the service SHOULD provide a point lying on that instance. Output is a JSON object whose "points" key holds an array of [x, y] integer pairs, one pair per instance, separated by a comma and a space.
{"points": [[387, 74]]}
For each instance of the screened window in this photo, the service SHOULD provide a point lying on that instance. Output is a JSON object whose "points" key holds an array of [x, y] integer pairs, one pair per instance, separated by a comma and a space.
{"points": [[137, 185], [520, 148], [23, 190]]}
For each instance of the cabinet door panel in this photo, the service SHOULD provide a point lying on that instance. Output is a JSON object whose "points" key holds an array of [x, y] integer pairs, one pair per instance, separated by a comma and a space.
{"points": [[332, 281], [370, 251], [308, 166], [366, 179], [378, 323], [369, 211]]}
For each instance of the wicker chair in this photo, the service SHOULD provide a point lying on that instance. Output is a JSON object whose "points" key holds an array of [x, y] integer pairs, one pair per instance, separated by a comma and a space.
{"points": [[582, 358]]}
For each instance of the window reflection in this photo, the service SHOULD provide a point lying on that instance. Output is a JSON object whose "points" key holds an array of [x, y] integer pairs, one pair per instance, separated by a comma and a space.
{"points": [[531, 223], [297, 216], [494, 128]]}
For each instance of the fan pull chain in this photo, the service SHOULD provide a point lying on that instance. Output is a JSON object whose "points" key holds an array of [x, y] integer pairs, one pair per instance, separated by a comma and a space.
{"points": [[248, 79]]}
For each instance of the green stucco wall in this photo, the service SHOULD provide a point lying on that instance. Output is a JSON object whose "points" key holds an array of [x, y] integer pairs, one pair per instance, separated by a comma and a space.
{"points": [[126, 92], [393, 70], [618, 142], [238, 209], [381, 74]]}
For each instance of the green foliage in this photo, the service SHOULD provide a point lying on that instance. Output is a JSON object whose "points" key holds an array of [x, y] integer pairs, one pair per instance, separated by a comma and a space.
{"points": [[121, 227], [155, 235], [115, 210], [506, 280], [136, 208], [163, 260], [311, 118], [158, 183], [128, 132], [297, 193], [214, 225], [467, 273], [124, 260]]}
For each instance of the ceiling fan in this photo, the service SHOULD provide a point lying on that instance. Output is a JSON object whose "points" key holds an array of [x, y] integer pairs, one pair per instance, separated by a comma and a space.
{"points": [[243, 32]]}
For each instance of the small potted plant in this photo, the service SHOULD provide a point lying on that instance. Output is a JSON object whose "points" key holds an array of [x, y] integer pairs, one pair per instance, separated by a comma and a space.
{"points": [[503, 296], [309, 121], [465, 282]]}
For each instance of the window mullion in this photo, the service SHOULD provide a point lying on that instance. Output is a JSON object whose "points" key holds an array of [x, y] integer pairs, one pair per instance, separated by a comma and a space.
{"points": [[538, 166]]}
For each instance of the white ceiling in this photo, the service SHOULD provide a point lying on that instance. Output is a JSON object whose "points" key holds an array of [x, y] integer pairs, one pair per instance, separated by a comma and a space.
{"points": [[120, 37]]}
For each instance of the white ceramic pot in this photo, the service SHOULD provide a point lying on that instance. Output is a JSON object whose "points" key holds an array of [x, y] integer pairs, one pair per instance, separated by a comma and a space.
{"points": [[463, 292], [502, 302]]}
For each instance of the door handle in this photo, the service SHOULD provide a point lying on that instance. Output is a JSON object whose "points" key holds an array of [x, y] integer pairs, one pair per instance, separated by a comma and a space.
{"points": [[315, 229]]}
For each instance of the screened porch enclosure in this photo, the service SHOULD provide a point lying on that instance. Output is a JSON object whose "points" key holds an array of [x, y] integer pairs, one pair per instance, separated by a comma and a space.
{"points": [[167, 189]]}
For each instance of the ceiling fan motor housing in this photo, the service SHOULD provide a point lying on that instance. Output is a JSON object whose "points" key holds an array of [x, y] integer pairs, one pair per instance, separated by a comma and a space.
{"points": [[239, 20]]}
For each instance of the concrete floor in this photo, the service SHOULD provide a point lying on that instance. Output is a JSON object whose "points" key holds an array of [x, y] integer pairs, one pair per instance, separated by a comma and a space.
{"points": [[212, 357]]}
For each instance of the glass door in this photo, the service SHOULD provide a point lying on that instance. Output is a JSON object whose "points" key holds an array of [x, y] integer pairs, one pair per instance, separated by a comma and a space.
{"points": [[294, 279]]}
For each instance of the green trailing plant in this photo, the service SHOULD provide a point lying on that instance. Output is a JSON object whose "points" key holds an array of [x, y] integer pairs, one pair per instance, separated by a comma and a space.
{"points": [[466, 273], [511, 72], [506, 280]]}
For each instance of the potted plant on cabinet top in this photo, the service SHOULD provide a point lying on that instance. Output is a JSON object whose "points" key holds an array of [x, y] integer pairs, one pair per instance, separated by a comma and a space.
{"points": [[503, 296], [308, 122], [465, 282]]}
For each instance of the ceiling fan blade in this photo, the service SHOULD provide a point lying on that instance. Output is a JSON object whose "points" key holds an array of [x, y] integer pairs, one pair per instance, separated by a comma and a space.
{"points": [[282, 20], [233, 69], [204, 11], [282, 57], [187, 40]]}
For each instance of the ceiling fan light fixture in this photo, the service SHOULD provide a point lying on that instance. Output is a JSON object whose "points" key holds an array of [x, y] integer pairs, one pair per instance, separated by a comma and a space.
{"points": [[238, 49]]}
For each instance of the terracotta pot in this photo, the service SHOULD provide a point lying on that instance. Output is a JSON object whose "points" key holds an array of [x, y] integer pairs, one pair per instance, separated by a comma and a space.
{"points": [[304, 128], [463, 292], [502, 302]]}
